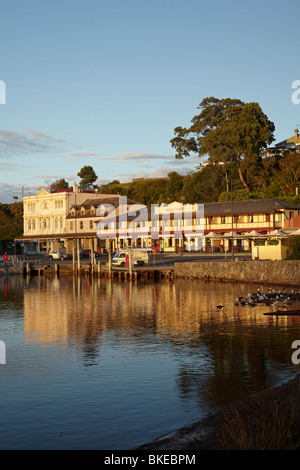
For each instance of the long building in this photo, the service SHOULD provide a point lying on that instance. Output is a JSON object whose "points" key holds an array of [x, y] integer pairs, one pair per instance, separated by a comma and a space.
{"points": [[88, 219]]}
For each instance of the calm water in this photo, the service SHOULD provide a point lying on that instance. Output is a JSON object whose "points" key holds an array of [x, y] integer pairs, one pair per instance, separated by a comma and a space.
{"points": [[108, 365]]}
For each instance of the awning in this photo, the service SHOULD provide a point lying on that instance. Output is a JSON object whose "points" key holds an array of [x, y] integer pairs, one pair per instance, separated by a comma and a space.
{"points": [[212, 235]]}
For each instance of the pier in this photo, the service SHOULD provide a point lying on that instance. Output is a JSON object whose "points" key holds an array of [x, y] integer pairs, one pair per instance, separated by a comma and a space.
{"points": [[219, 270], [99, 271]]}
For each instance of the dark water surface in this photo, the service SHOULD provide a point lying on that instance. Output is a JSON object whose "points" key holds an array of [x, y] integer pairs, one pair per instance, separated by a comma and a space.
{"points": [[95, 364]]}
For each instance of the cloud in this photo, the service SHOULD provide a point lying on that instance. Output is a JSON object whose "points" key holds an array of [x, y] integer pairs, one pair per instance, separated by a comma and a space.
{"points": [[148, 158], [82, 154], [4, 166], [161, 172], [7, 191], [140, 156], [29, 141]]}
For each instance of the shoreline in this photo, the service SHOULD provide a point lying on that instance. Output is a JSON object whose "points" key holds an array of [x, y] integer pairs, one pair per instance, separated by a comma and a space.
{"points": [[205, 433]]}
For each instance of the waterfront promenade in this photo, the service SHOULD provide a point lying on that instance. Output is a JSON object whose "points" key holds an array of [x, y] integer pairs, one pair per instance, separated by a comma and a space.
{"points": [[193, 266]]}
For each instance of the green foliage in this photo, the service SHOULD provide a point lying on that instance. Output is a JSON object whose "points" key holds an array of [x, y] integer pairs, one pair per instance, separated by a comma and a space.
{"points": [[293, 246], [228, 131], [276, 177], [11, 221], [59, 184], [87, 175], [146, 191], [236, 195], [204, 186]]}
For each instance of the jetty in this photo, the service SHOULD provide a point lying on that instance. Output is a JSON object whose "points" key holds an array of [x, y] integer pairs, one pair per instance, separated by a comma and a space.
{"points": [[283, 272]]}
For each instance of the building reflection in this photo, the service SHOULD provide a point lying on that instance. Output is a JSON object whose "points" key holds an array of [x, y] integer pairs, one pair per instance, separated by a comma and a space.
{"points": [[220, 355]]}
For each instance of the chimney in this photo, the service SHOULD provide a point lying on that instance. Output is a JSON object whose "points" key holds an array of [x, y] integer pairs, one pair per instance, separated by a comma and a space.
{"points": [[296, 133]]}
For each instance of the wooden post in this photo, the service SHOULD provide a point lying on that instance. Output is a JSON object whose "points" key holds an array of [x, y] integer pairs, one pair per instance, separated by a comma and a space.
{"points": [[92, 254], [78, 256], [74, 251], [130, 261], [109, 259]]}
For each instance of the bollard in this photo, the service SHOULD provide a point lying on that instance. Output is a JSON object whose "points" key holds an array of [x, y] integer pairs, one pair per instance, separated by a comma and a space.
{"points": [[56, 269]]}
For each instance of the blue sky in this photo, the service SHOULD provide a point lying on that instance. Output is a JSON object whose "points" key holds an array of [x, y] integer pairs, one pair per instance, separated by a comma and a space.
{"points": [[104, 83]]}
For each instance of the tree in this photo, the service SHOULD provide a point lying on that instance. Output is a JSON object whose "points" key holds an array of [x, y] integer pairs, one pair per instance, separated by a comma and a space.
{"points": [[204, 186], [228, 131], [175, 185], [88, 176], [293, 248], [59, 184]]}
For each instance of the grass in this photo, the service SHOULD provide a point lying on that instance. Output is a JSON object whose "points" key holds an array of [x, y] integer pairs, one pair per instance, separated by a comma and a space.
{"points": [[267, 420]]}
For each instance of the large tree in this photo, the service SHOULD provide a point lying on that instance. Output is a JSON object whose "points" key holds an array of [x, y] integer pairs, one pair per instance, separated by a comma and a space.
{"points": [[59, 184], [228, 131], [88, 176]]}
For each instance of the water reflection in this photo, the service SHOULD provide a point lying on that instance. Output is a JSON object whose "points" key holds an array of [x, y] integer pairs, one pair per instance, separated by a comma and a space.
{"points": [[211, 357], [233, 346]]}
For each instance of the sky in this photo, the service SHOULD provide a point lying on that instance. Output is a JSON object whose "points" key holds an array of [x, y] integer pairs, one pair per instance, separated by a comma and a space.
{"points": [[104, 83]]}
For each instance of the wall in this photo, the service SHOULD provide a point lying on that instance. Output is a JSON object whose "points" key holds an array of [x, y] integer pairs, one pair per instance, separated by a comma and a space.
{"points": [[269, 252], [294, 222], [267, 272]]}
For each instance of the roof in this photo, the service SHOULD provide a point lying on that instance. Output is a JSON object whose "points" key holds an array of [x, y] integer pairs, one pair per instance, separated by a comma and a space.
{"points": [[107, 199], [249, 206]]}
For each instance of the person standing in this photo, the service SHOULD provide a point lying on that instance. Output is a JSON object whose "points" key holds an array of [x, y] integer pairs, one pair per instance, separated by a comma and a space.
{"points": [[5, 259]]}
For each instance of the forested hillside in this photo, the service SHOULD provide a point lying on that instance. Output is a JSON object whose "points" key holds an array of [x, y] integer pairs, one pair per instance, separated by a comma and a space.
{"points": [[11, 222], [273, 177]]}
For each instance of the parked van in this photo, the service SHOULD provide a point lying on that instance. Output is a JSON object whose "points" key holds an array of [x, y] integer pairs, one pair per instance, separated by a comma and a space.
{"points": [[59, 254], [140, 256]]}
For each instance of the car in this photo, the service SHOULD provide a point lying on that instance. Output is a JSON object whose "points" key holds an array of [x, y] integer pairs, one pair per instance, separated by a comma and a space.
{"points": [[86, 253], [59, 255]]}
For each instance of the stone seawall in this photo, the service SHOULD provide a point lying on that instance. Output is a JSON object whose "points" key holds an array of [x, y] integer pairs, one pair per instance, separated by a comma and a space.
{"points": [[266, 272]]}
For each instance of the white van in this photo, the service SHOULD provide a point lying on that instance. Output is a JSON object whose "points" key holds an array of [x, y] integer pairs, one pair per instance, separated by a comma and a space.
{"points": [[59, 254], [140, 256]]}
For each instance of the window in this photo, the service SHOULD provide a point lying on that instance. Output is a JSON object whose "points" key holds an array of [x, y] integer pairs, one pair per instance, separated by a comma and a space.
{"points": [[91, 224], [250, 218], [81, 225], [223, 218], [72, 225], [58, 204], [31, 207]]}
